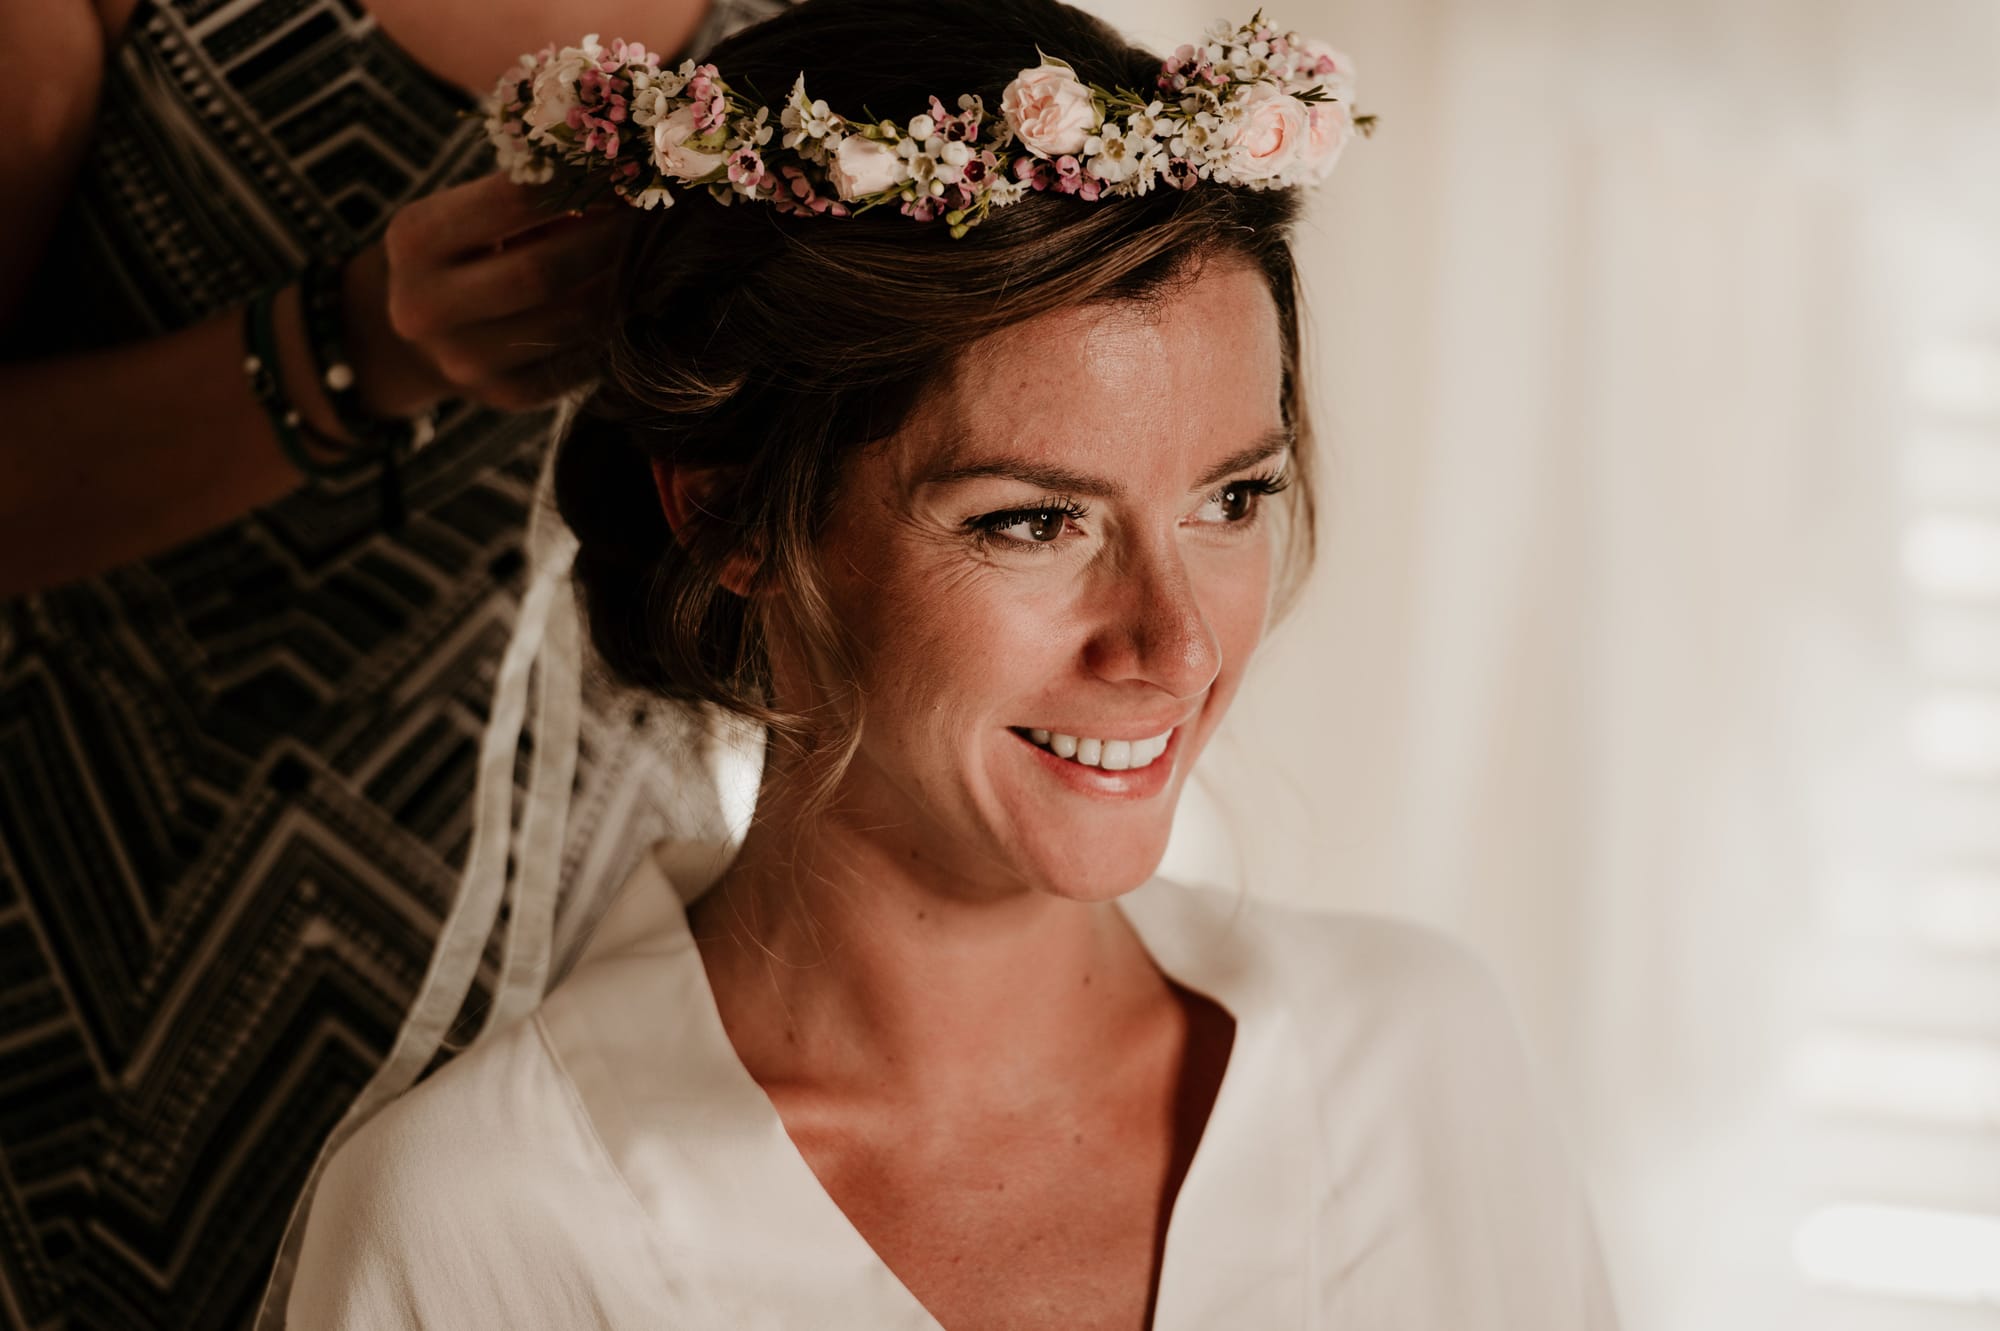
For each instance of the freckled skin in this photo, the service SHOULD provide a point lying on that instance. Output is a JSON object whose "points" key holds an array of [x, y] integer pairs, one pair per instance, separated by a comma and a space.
{"points": [[1138, 615]]}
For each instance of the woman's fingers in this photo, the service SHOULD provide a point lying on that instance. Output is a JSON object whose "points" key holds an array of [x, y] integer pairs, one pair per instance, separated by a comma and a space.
{"points": [[483, 354], [450, 224], [522, 277], [511, 325], [540, 382], [539, 272]]}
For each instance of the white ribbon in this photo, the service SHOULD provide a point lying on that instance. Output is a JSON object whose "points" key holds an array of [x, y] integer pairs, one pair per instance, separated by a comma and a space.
{"points": [[548, 610], [524, 972]]}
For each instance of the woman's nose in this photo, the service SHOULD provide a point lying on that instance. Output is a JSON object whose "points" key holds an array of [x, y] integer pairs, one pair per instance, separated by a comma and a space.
{"points": [[1151, 627]]}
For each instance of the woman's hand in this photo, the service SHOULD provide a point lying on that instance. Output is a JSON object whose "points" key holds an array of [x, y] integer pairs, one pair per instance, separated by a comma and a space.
{"points": [[481, 292]]}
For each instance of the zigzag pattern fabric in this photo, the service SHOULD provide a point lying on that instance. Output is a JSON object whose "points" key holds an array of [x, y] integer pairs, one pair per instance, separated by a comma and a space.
{"points": [[235, 778]]}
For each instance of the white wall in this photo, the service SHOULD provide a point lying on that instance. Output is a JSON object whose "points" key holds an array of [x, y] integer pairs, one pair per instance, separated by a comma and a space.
{"points": [[1607, 663]]}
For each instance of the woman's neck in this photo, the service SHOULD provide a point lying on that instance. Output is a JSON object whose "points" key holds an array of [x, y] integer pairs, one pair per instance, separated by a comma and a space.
{"points": [[847, 965]]}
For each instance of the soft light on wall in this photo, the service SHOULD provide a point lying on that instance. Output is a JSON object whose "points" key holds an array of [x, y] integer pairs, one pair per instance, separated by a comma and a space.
{"points": [[1655, 643]]}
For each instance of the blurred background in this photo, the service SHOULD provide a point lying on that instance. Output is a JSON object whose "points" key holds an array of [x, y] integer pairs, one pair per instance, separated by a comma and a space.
{"points": [[1654, 647]]}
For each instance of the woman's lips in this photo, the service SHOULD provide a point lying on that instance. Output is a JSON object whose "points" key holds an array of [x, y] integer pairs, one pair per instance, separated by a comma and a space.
{"points": [[1131, 783], [1111, 754]]}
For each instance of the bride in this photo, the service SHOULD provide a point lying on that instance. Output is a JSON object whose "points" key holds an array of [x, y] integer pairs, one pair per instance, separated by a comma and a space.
{"points": [[965, 454]]}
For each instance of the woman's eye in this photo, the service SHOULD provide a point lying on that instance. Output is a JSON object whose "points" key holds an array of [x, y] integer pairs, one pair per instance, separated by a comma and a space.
{"points": [[1027, 526], [1041, 527], [1232, 503]]}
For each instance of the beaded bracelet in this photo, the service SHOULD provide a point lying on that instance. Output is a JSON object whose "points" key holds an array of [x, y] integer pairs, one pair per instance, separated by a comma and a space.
{"points": [[261, 367], [321, 300]]}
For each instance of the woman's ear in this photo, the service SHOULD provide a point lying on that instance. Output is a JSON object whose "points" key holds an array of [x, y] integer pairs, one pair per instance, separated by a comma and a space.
{"points": [[684, 493], [680, 495]]}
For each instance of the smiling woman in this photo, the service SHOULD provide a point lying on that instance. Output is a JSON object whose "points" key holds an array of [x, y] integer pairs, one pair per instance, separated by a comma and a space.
{"points": [[1046, 546], [984, 531]]}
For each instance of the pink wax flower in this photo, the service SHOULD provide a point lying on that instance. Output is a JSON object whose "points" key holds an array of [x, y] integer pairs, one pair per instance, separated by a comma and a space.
{"points": [[746, 167]]}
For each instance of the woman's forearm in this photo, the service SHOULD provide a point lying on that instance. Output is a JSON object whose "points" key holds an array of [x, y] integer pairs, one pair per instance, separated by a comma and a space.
{"points": [[112, 455]]}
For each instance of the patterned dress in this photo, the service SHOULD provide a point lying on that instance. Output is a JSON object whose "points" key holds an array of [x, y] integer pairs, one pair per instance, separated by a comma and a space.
{"points": [[235, 777]]}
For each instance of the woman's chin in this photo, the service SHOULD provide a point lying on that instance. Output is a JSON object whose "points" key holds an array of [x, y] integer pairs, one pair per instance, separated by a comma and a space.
{"points": [[1097, 869], [1082, 833], [1104, 890]]}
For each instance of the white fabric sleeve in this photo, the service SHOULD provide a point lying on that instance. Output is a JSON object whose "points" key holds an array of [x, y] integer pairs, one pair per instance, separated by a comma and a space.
{"points": [[1497, 1160], [354, 1269], [476, 1202], [1537, 1185], [1452, 1197]]}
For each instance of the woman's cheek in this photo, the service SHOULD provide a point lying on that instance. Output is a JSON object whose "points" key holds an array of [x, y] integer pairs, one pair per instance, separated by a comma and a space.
{"points": [[939, 633], [1236, 595]]}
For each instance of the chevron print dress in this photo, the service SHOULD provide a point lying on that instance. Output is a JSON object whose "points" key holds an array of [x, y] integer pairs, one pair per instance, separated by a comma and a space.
{"points": [[235, 777]]}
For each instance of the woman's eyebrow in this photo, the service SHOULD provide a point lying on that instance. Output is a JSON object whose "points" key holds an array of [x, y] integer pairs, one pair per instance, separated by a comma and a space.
{"points": [[1267, 445], [1064, 480], [1044, 475]]}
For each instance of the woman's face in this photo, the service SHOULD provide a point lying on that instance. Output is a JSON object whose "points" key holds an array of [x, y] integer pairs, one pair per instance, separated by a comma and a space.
{"points": [[1070, 541]]}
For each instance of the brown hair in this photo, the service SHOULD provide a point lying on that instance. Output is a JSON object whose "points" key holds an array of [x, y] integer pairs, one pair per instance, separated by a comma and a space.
{"points": [[772, 346]]}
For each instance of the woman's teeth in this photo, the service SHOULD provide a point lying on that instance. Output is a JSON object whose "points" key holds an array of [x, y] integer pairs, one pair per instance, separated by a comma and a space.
{"points": [[1111, 755]]}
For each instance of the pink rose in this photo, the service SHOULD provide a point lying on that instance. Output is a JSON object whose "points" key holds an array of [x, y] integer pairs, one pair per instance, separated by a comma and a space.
{"points": [[1272, 133], [864, 166], [671, 152], [556, 87], [1331, 126], [1049, 110], [1322, 66]]}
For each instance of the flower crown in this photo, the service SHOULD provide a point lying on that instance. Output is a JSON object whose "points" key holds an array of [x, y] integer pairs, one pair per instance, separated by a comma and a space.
{"points": [[1249, 106]]}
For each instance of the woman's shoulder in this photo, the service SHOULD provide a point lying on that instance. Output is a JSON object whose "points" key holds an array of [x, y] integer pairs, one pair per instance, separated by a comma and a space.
{"points": [[470, 1200], [1355, 958], [498, 1095], [1431, 1108], [1380, 1006]]}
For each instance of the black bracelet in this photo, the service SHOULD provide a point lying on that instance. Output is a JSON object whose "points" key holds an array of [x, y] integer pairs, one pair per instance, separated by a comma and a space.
{"points": [[321, 299], [261, 365]]}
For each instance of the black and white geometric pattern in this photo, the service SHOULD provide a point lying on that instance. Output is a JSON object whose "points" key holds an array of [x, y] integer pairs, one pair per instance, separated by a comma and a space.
{"points": [[235, 777]]}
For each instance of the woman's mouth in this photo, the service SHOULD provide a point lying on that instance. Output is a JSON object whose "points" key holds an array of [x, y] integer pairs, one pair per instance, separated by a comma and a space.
{"points": [[1109, 755]]}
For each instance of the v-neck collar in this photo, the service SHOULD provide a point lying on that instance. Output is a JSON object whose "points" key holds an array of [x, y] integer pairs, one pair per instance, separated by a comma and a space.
{"points": [[742, 1221]]}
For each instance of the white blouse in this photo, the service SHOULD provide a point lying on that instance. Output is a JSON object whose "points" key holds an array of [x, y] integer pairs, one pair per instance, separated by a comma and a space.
{"points": [[1377, 1157]]}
